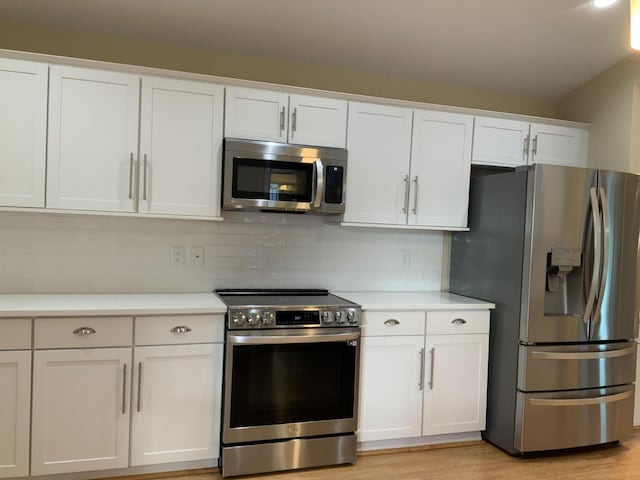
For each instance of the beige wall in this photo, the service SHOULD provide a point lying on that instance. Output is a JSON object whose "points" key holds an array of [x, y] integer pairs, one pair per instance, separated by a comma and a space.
{"points": [[610, 103], [96, 47]]}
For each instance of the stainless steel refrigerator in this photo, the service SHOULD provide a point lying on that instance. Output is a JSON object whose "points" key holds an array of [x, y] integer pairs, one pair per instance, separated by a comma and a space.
{"points": [[556, 249]]}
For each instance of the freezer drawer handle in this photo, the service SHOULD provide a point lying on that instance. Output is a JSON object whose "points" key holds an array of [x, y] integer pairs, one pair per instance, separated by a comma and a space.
{"points": [[458, 321], [577, 402], [584, 355]]}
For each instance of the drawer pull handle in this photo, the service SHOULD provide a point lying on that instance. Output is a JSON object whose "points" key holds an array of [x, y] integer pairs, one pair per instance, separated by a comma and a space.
{"points": [[82, 331], [392, 322], [180, 329], [458, 321]]}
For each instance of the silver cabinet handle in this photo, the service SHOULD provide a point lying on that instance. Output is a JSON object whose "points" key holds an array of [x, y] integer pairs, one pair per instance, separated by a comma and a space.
{"points": [[534, 149], [82, 331], [458, 321], [421, 380], [294, 123], [415, 195], [139, 408], [432, 352], [124, 389], [392, 322], [180, 329], [282, 121], [525, 149], [406, 194], [144, 178], [131, 176]]}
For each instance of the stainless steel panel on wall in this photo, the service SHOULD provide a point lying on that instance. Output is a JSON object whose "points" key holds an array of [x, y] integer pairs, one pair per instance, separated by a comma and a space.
{"points": [[558, 254], [616, 312], [563, 367], [558, 420]]}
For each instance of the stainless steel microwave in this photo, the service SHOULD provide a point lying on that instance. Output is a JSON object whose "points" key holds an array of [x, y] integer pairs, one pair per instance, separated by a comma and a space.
{"points": [[281, 177]]}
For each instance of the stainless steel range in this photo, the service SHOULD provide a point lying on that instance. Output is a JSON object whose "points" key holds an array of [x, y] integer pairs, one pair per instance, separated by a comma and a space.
{"points": [[291, 380]]}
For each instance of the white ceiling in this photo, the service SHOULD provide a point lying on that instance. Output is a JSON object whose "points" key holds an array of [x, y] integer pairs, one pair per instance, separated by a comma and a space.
{"points": [[542, 48]]}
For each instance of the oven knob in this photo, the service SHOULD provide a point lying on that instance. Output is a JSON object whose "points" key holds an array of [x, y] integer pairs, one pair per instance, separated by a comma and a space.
{"points": [[238, 319], [267, 318], [327, 317], [339, 317], [254, 318], [351, 317]]}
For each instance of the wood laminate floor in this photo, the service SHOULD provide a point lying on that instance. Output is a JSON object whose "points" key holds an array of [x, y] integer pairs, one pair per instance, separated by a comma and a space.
{"points": [[478, 462]]}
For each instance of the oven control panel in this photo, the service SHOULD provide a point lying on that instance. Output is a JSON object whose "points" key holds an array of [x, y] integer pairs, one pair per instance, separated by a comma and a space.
{"points": [[254, 317]]}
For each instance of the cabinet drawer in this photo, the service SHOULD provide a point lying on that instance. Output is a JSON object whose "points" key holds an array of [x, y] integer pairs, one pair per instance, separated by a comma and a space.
{"points": [[457, 322], [177, 329], [82, 332], [392, 323], [15, 333]]}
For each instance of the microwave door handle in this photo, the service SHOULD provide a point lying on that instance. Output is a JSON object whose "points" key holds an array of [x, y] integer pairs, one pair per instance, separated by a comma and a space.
{"points": [[319, 174], [597, 253]]}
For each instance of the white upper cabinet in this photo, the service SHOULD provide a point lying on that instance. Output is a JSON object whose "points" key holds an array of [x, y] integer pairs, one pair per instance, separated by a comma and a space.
{"points": [[511, 143], [379, 146], [397, 178], [500, 142], [440, 169], [93, 139], [96, 161], [23, 132], [271, 116], [180, 147], [558, 145]]}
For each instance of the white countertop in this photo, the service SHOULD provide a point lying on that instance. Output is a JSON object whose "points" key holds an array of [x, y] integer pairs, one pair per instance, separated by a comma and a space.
{"points": [[52, 305], [385, 300]]}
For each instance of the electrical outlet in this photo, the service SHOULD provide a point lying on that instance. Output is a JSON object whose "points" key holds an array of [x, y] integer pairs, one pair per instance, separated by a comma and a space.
{"points": [[197, 256], [177, 256]]}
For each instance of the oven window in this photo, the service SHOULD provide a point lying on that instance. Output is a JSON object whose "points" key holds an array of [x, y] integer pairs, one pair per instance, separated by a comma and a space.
{"points": [[272, 180], [273, 384]]}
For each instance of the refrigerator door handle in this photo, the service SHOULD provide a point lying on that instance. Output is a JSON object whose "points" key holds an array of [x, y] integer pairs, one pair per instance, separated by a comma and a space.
{"points": [[572, 402], [605, 253], [597, 255], [585, 355]]}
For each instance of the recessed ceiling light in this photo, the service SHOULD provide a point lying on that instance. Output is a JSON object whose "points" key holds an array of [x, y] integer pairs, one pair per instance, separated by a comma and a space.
{"points": [[603, 3]]}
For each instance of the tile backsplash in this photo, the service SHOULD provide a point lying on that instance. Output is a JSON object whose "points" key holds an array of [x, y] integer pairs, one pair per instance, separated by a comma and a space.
{"points": [[69, 253]]}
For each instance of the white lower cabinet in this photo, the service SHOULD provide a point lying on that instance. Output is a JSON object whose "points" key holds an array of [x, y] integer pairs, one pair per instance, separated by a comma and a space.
{"points": [[422, 378], [15, 395], [176, 406], [80, 410], [455, 396]]}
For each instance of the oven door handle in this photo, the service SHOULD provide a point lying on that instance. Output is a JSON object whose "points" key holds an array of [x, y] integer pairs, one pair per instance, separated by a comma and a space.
{"points": [[287, 339]]}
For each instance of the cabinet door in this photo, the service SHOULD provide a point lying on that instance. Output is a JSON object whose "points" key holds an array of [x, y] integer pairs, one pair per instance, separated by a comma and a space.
{"points": [[23, 132], [390, 387], [15, 401], [636, 404], [379, 144], [92, 140], [317, 121], [499, 142], [177, 403], [456, 392], [256, 114], [440, 169], [80, 410], [180, 147], [557, 145]]}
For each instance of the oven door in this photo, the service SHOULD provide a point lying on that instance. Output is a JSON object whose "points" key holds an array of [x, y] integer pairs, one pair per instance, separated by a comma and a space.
{"points": [[290, 383]]}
